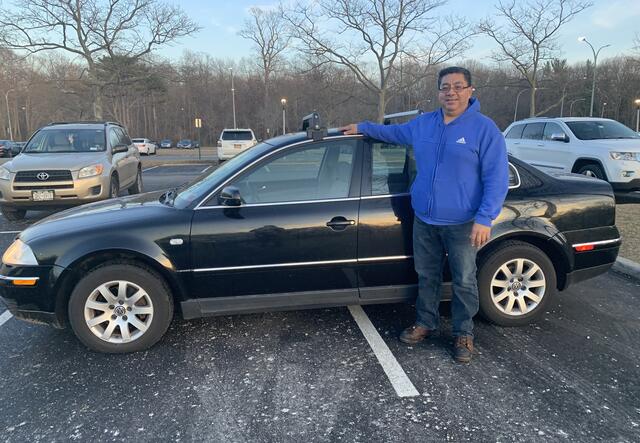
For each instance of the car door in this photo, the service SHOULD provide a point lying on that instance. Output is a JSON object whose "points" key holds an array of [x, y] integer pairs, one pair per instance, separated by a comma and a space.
{"points": [[556, 153], [385, 251], [292, 242], [131, 159], [531, 146]]}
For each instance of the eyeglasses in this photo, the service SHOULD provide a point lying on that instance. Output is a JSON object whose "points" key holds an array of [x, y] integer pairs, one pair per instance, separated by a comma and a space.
{"points": [[455, 88]]}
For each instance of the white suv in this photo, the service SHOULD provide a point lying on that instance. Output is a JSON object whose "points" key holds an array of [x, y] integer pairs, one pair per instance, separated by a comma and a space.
{"points": [[597, 147], [145, 146], [233, 141]]}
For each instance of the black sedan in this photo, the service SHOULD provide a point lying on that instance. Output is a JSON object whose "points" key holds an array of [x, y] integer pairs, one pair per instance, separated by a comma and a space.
{"points": [[296, 222]]}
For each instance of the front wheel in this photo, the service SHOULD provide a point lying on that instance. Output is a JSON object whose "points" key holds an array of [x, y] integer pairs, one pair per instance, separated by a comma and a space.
{"points": [[593, 170], [114, 187], [120, 308], [136, 188], [516, 282]]}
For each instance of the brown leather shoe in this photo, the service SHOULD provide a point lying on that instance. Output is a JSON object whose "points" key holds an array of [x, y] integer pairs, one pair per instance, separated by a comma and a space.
{"points": [[463, 349], [414, 334]]}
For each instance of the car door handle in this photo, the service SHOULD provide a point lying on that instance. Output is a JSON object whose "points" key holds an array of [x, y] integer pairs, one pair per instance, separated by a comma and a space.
{"points": [[541, 144], [340, 223]]}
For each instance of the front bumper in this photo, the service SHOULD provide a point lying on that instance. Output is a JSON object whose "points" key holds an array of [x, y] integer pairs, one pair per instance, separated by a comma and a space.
{"points": [[630, 186], [66, 193], [36, 303]]}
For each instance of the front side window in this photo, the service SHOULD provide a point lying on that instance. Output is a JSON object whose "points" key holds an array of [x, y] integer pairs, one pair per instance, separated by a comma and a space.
{"points": [[393, 168], [65, 140], [601, 129], [317, 172], [533, 131]]}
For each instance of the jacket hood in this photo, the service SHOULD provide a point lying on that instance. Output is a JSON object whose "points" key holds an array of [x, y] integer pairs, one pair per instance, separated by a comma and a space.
{"points": [[73, 161]]}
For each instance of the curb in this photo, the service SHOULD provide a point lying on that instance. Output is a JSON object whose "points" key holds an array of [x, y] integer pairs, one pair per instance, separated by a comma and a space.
{"points": [[627, 267]]}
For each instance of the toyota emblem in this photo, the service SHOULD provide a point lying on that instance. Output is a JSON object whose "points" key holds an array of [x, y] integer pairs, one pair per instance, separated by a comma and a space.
{"points": [[42, 176]]}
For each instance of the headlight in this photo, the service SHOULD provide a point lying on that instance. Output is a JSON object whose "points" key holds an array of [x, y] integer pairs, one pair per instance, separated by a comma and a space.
{"points": [[4, 174], [625, 155], [90, 171], [19, 253]]}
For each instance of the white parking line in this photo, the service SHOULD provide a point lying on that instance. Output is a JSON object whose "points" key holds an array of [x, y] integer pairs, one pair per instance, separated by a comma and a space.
{"points": [[10, 232], [395, 373], [6, 315], [205, 169], [149, 169]]}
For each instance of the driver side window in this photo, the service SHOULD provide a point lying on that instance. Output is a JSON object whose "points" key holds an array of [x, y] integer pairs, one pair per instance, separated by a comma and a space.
{"points": [[317, 172]]}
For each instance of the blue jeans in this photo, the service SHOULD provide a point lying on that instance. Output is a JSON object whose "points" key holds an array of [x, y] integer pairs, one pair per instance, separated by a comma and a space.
{"points": [[430, 242]]}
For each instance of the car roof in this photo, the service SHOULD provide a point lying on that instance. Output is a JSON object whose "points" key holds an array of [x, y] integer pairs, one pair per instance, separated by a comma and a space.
{"points": [[562, 119]]}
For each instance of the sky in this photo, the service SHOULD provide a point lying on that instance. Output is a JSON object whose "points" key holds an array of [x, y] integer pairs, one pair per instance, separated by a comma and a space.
{"points": [[607, 22]]}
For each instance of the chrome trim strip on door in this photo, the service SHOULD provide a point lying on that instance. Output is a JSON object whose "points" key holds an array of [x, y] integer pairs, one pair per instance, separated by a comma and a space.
{"points": [[297, 202], [303, 142], [310, 263], [597, 243]]}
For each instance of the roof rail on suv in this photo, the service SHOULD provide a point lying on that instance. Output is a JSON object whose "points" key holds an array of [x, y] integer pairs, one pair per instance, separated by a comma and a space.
{"points": [[400, 115], [94, 122]]}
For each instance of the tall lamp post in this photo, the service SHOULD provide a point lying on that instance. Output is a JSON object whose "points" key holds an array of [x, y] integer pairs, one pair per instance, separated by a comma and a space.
{"points": [[233, 99], [283, 102], [595, 64], [515, 111], [604, 105], [637, 102], [6, 100], [571, 105]]}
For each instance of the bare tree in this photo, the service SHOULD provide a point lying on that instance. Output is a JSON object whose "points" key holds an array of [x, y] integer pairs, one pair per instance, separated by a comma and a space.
{"points": [[92, 29], [267, 30], [530, 35], [368, 37]]}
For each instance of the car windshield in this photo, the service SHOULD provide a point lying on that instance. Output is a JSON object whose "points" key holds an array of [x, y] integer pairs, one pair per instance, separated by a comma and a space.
{"points": [[600, 130], [137, 140], [237, 135], [166, 141], [185, 141], [204, 184], [66, 140]]}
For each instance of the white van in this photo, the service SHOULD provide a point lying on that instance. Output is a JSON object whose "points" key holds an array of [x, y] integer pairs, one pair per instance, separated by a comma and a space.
{"points": [[233, 141]]}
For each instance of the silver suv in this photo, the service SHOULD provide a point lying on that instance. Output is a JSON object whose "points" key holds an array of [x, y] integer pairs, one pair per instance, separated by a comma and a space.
{"points": [[597, 147], [67, 164]]}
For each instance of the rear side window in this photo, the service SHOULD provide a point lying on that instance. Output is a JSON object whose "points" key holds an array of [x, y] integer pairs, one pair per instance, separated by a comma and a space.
{"points": [[393, 168], [237, 135], [515, 132], [533, 131]]}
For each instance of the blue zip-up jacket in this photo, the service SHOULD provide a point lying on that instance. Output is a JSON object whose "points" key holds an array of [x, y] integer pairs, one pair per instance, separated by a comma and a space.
{"points": [[463, 171]]}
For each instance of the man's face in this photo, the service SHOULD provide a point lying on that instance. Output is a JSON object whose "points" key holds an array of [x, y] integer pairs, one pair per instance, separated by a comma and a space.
{"points": [[454, 102]]}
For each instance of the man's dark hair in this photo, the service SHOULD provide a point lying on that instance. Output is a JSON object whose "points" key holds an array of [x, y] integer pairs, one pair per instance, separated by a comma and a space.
{"points": [[454, 70]]}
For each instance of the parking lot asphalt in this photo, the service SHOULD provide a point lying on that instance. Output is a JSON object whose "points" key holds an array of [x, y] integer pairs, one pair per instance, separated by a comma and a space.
{"points": [[312, 375]]}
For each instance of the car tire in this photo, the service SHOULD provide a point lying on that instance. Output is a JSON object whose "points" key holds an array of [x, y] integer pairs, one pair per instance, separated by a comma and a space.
{"points": [[133, 302], [114, 187], [518, 268], [593, 170], [136, 188], [13, 214]]}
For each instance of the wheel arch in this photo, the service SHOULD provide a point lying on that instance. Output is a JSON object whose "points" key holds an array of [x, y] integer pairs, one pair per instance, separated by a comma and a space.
{"points": [[85, 263], [583, 161]]}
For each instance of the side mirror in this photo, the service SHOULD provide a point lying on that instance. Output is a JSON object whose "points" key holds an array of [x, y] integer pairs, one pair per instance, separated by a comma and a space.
{"points": [[560, 137], [119, 148], [230, 196]]}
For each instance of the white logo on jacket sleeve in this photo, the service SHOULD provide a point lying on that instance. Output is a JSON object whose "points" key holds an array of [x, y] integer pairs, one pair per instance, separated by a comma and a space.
{"points": [[462, 141]]}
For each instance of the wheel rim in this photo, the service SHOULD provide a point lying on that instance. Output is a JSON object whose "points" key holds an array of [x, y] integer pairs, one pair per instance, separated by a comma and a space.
{"points": [[518, 286], [118, 312], [590, 173]]}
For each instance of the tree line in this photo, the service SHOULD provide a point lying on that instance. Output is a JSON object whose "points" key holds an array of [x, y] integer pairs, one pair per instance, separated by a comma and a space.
{"points": [[349, 60]]}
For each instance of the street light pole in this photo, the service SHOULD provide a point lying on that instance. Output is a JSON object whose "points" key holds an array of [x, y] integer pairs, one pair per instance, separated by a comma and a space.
{"points": [[6, 100], [595, 65], [571, 105], [637, 102], [515, 111], [233, 100], [283, 102], [604, 105]]}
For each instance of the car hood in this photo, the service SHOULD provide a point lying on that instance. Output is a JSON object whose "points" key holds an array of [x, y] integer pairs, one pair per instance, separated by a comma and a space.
{"points": [[143, 208], [618, 144], [72, 161]]}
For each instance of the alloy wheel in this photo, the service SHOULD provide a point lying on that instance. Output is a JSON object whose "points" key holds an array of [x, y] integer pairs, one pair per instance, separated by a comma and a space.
{"points": [[518, 286]]}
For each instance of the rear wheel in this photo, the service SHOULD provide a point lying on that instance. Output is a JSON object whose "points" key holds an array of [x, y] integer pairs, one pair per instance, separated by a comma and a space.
{"points": [[13, 214], [120, 308], [136, 188], [516, 282], [593, 170]]}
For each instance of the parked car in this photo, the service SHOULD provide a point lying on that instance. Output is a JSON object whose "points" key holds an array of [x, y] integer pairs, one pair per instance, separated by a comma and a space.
{"points": [[166, 143], [67, 164], [145, 146], [9, 148], [596, 147], [234, 141], [185, 144], [296, 222]]}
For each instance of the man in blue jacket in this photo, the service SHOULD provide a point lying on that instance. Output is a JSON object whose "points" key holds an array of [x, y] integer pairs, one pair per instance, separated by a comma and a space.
{"points": [[462, 180]]}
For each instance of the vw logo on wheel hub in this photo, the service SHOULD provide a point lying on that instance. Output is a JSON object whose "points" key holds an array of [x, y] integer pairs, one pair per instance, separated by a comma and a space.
{"points": [[42, 176], [120, 311]]}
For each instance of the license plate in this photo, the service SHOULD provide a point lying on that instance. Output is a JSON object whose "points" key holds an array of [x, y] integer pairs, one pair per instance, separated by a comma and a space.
{"points": [[39, 196], [237, 146]]}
